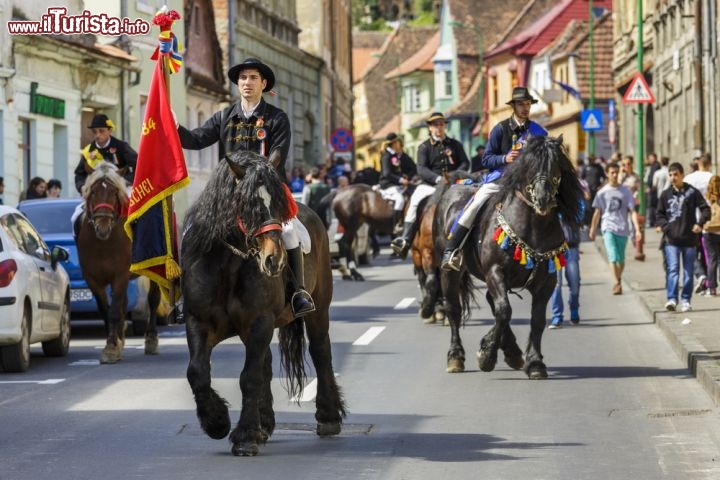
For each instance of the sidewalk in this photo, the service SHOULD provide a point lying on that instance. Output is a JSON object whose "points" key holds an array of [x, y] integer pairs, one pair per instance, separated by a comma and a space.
{"points": [[694, 335]]}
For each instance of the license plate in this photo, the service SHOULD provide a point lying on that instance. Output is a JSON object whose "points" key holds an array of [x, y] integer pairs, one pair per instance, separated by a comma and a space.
{"points": [[81, 295]]}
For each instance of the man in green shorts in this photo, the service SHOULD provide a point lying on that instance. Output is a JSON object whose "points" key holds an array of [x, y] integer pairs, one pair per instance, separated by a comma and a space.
{"points": [[613, 203]]}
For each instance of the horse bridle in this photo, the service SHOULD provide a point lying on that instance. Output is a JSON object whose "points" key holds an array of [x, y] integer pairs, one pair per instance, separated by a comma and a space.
{"points": [[530, 189], [267, 226], [94, 211]]}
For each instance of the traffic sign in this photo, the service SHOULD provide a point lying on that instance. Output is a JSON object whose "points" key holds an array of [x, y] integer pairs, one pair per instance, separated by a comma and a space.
{"points": [[341, 139], [638, 91], [591, 119]]}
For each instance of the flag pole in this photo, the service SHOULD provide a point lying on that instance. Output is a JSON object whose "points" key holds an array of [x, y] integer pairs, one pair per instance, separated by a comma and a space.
{"points": [[165, 18]]}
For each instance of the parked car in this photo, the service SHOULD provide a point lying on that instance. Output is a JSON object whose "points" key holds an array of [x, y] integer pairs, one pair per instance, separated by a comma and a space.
{"points": [[34, 293], [51, 217]]}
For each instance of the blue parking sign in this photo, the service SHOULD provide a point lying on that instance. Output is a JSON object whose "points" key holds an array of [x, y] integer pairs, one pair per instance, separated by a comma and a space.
{"points": [[591, 119]]}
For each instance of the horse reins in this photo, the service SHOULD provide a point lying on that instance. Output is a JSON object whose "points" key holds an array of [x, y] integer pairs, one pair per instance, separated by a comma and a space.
{"points": [[268, 226]]}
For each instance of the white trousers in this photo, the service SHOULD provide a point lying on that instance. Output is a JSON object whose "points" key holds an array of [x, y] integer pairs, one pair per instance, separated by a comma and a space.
{"points": [[421, 191], [294, 234], [470, 211], [394, 193]]}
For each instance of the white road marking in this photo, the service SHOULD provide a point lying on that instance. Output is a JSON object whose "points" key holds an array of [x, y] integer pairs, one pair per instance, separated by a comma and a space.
{"points": [[404, 303], [369, 336], [49, 381], [84, 363], [308, 394]]}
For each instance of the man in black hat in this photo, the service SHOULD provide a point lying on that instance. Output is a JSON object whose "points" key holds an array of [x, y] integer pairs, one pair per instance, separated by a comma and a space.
{"points": [[505, 144], [436, 157], [106, 148], [476, 160], [397, 168], [254, 125]]}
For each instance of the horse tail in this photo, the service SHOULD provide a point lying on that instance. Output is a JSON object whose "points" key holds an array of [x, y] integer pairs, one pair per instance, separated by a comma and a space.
{"points": [[467, 295], [292, 356]]}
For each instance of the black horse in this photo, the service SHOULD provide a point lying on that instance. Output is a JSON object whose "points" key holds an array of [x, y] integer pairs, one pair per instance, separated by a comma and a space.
{"points": [[516, 243], [234, 283]]}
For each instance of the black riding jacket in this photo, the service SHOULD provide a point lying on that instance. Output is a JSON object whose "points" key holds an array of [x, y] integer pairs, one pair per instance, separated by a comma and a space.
{"points": [[117, 152], [435, 158], [237, 133]]}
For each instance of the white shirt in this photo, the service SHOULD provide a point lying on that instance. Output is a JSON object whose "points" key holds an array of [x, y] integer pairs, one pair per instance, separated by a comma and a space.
{"points": [[699, 180]]}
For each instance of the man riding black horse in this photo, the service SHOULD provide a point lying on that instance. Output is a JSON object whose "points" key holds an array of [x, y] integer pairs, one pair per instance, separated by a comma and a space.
{"points": [[254, 125], [436, 157]]}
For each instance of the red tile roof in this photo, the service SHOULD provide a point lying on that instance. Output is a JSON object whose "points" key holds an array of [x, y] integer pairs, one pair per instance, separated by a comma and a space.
{"points": [[547, 28], [422, 60]]}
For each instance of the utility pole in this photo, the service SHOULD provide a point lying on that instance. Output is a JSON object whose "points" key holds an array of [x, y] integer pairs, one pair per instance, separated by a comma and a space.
{"points": [[591, 40], [640, 112]]}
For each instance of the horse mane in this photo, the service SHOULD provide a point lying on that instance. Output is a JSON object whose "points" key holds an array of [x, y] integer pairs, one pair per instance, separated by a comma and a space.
{"points": [[108, 172], [539, 155], [227, 198]]}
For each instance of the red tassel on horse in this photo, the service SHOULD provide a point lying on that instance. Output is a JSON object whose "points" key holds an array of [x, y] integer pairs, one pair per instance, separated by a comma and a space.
{"points": [[562, 259], [292, 205], [497, 233], [518, 253]]}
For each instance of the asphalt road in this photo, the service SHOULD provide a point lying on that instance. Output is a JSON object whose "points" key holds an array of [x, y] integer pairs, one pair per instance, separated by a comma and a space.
{"points": [[618, 403]]}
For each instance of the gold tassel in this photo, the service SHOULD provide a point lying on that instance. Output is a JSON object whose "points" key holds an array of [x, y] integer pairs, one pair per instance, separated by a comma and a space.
{"points": [[172, 269]]}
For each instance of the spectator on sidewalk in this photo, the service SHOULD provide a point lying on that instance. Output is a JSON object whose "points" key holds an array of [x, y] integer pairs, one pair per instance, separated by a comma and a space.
{"points": [[700, 179], [711, 235], [677, 220], [629, 177], [613, 204], [653, 165], [571, 271]]}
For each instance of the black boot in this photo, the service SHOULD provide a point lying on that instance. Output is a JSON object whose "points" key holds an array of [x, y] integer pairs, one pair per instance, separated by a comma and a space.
{"points": [[397, 217], [452, 256], [301, 300], [401, 245]]}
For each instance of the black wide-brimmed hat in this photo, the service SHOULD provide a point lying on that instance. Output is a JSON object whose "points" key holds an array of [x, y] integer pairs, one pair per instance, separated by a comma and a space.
{"points": [[521, 94], [264, 70], [101, 121], [435, 116], [391, 137]]}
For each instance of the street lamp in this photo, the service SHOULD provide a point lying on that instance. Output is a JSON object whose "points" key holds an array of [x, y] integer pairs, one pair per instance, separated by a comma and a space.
{"points": [[481, 53]]}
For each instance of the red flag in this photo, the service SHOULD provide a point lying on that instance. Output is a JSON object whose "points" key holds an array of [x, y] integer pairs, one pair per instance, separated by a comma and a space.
{"points": [[160, 171]]}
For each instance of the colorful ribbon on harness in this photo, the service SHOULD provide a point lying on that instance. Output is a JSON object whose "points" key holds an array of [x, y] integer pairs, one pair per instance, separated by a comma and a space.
{"points": [[525, 255]]}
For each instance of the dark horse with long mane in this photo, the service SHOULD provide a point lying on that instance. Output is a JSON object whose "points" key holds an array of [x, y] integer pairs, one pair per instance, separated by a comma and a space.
{"points": [[354, 206], [104, 251], [522, 247], [234, 283]]}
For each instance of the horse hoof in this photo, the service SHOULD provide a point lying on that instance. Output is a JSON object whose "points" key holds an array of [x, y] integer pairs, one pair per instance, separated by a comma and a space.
{"points": [[347, 277], [358, 277], [537, 371], [455, 365], [328, 429], [516, 363], [111, 354], [485, 362], [151, 345], [428, 320], [245, 449], [446, 322]]}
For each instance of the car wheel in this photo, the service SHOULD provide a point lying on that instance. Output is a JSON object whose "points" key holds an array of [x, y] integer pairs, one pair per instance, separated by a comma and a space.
{"points": [[16, 358], [59, 346]]}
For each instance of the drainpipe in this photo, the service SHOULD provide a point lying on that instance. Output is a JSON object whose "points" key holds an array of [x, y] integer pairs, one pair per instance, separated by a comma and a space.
{"points": [[698, 87], [711, 54], [231, 38]]}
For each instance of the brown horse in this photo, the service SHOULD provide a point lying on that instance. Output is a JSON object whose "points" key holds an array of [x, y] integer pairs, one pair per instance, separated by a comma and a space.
{"points": [[354, 206], [104, 251], [427, 262], [234, 284]]}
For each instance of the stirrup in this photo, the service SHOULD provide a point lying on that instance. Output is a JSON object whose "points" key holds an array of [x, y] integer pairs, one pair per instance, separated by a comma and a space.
{"points": [[301, 303], [452, 260], [398, 245]]}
